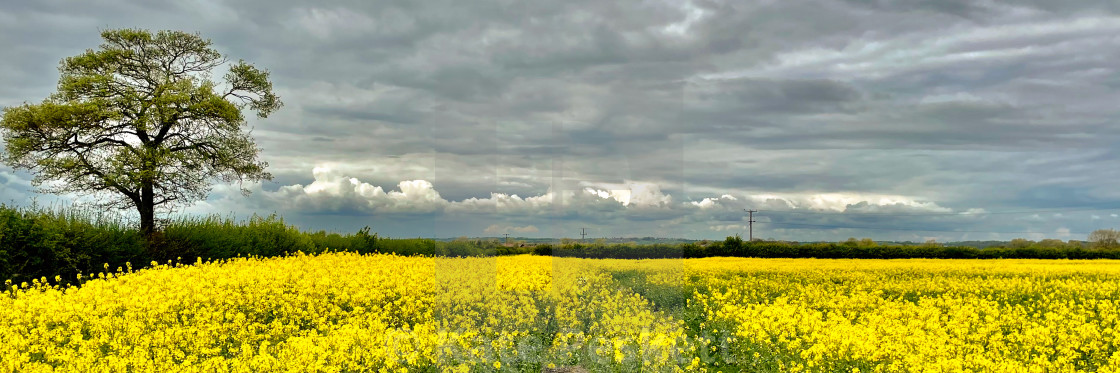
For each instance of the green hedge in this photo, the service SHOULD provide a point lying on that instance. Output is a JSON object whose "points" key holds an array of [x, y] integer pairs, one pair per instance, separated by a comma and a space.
{"points": [[40, 242]]}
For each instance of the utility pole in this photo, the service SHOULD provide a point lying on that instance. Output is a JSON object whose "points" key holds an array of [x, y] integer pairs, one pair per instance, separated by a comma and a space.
{"points": [[750, 224], [582, 234]]}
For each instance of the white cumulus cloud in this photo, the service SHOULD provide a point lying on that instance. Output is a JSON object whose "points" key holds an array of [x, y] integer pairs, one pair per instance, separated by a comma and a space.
{"points": [[333, 192]]}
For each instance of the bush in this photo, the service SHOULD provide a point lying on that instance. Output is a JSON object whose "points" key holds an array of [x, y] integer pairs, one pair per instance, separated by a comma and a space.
{"points": [[41, 242], [542, 249], [216, 238], [361, 242]]}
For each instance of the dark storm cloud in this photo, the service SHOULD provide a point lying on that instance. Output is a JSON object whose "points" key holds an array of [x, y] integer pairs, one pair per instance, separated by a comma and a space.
{"points": [[963, 8], [837, 105], [359, 114], [794, 96]]}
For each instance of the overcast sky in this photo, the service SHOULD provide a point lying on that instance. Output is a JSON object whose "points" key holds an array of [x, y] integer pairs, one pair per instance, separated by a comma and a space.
{"points": [[895, 120]]}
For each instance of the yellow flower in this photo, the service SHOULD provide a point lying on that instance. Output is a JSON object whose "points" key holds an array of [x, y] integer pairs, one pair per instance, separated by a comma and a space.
{"points": [[338, 311]]}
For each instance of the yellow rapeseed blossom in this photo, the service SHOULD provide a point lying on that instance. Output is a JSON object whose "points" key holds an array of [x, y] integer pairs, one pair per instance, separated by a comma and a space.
{"points": [[337, 312], [386, 313], [912, 315]]}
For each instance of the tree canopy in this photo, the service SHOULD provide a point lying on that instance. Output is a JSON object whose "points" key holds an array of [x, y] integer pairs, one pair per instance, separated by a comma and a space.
{"points": [[1105, 238], [140, 123]]}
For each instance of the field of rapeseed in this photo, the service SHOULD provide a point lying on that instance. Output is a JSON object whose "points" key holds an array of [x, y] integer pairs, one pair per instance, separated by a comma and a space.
{"points": [[342, 312]]}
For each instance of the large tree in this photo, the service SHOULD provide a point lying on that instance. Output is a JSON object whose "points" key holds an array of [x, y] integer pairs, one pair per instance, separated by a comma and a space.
{"points": [[139, 123], [1105, 239]]}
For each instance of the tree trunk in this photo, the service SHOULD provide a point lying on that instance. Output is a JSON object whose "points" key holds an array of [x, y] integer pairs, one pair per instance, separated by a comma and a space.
{"points": [[147, 210]]}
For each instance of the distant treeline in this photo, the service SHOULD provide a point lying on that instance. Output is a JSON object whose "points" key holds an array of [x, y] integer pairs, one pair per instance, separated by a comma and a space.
{"points": [[735, 246], [43, 242]]}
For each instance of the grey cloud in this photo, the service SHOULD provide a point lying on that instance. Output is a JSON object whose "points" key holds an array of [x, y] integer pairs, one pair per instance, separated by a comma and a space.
{"points": [[969, 9], [359, 114], [943, 101], [768, 96]]}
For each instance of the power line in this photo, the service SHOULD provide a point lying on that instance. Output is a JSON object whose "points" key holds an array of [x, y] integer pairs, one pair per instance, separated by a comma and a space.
{"points": [[910, 229]]}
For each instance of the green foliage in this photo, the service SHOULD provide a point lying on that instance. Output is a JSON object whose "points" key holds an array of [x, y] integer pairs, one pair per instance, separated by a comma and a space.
{"points": [[619, 251], [37, 242], [215, 237], [543, 249], [361, 242], [407, 246]]}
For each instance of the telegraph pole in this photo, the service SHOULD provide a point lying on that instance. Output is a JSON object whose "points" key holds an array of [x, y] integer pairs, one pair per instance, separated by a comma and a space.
{"points": [[750, 224], [582, 234]]}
